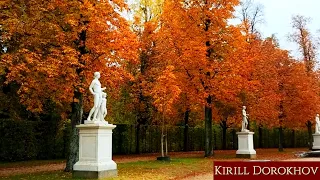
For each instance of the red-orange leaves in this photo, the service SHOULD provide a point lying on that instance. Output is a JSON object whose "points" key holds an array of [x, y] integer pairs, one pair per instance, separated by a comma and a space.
{"points": [[53, 48]]}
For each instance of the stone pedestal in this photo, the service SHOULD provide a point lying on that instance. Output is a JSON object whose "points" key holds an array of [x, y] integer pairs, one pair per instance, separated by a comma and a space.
{"points": [[95, 151], [316, 142], [245, 145]]}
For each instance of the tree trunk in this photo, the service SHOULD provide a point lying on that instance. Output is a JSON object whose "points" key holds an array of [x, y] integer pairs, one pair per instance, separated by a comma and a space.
{"points": [[186, 130], [162, 136], [208, 108], [143, 116], [138, 138], [234, 139], [293, 138], [260, 137], [77, 105], [77, 111], [224, 127], [215, 139], [310, 138], [281, 139], [281, 116], [208, 129], [162, 152], [166, 141]]}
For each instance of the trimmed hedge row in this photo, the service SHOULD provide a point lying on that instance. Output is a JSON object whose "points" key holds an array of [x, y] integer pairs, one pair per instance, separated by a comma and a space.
{"points": [[25, 140], [124, 139]]}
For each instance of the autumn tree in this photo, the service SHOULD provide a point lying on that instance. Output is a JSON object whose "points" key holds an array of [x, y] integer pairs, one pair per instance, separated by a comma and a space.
{"points": [[165, 92], [300, 97], [206, 52], [305, 41], [302, 100], [226, 115], [176, 45], [59, 44], [251, 15], [307, 46], [146, 15], [283, 88], [273, 69]]}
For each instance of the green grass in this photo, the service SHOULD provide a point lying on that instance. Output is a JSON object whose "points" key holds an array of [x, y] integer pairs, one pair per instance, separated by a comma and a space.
{"points": [[38, 176], [177, 167]]}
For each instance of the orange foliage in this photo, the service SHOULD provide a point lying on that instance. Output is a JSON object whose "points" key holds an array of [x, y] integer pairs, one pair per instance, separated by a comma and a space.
{"points": [[165, 91], [220, 69], [189, 53], [58, 44], [281, 80]]}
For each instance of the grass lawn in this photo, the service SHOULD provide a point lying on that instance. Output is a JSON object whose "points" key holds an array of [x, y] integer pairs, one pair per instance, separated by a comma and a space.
{"points": [[182, 165], [29, 163], [177, 168]]}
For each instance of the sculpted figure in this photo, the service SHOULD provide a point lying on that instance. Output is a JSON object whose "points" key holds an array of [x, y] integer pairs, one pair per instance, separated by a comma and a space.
{"points": [[103, 107], [244, 120], [317, 124], [96, 91]]}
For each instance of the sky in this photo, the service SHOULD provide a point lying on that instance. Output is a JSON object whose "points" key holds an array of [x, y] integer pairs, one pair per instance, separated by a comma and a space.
{"points": [[277, 17]]}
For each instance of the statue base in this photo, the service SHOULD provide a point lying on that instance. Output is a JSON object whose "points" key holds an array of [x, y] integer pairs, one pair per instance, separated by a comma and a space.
{"points": [[95, 174], [95, 151], [316, 142], [96, 122], [245, 145]]}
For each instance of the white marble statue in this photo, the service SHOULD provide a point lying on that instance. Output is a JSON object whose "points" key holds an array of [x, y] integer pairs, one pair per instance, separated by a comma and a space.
{"points": [[317, 125], [103, 107], [244, 120], [97, 91]]}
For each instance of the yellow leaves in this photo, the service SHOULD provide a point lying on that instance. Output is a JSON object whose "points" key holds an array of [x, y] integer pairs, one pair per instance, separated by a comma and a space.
{"points": [[2, 70], [147, 11], [72, 19]]}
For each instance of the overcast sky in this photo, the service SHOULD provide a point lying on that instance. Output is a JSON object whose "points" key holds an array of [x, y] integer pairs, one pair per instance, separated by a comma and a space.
{"points": [[278, 14]]}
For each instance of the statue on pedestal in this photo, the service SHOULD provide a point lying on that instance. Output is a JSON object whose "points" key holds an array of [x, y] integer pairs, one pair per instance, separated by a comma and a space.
{"points": [[317, 125], [244, 120], [98, 110]]}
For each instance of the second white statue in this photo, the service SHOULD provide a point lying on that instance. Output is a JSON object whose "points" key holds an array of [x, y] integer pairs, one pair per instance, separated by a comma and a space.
{"points": [[317, 131], [244, 120]]}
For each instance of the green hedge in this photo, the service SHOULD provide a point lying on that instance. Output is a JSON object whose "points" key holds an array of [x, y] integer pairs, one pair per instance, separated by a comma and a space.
{"points": [[17, 140], [25, 140]]}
